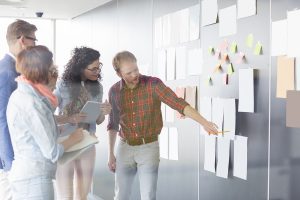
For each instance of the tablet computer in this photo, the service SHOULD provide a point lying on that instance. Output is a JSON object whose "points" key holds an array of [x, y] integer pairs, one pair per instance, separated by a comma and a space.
{"points": [[92, 111]]}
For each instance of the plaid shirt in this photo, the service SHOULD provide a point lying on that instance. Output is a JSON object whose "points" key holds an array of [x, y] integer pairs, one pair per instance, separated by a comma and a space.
{"points": [[138, 110]]}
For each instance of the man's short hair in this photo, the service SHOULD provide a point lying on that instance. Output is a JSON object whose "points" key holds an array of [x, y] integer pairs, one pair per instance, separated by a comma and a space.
{"points": [[18, 28], [121, 57], [34, 63]]}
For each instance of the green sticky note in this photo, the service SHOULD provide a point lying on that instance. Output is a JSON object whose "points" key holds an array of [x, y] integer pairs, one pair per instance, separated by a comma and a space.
{"points": [[211, 50], [230, 69], [233, 47], [258, 48], [249, 40], [208, 81]]}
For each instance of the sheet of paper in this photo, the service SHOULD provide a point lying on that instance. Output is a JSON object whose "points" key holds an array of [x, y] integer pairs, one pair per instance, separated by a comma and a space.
{"points": [[176, 19], [210, 153], [246, 90], [191, 95], [297, 73], [195, 61], [180, 92], [218, 112], [166, 30], [183, 25], [194, 22], [161, 64], [293, 18], [169, 114], [173, 143], [164, 143], [170, 63], [70, 156], [227, 25], [158, 32], [246, 8], [293, 109], [285, 75], [223, 157], [229, 118], [240, 157], [86, 141], [279, 38], [205, 110], [209, 11], [181, 62]]}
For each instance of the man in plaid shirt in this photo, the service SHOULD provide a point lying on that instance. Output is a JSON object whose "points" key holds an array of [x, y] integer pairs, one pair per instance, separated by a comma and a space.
{"points": [[136, 107]]}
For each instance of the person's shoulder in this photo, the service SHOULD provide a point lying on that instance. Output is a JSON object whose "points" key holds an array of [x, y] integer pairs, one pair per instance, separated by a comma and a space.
{"points": [[150, 79]]}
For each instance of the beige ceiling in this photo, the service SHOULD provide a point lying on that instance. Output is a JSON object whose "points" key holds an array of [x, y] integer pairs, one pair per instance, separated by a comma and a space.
{"points": [[53, 9]]}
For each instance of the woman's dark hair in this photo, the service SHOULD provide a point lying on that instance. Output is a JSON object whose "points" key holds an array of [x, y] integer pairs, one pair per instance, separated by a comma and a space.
{"points": [[81, 58]]}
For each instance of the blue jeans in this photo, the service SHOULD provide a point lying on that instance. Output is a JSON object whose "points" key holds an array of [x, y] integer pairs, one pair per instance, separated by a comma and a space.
{"points": [[142, 159], [39, 188]]}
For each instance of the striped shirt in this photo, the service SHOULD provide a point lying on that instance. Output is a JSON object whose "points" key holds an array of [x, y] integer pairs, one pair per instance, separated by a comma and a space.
{"points": [[138, 110]]}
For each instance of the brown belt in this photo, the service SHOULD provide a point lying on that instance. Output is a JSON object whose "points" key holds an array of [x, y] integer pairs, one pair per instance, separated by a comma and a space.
{"points": [[140, 141]]}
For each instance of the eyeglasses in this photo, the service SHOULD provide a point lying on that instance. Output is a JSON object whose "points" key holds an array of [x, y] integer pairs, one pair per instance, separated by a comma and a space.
{"points": [[96, 69], [29, 38]]}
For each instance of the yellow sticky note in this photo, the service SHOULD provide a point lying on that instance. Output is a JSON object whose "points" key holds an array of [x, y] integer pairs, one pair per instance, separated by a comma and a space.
{"points": [[258, 48], [249, 40], [230, 69], [211, 50], [233, 47]]}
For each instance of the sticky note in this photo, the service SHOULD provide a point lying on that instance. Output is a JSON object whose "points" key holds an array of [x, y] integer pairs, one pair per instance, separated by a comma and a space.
{"points": [[233, 47], [211, 50], [249, 40], [217, 68], [240, 58], [230, 69], [258, 48], [225, 58], [208, 81]]}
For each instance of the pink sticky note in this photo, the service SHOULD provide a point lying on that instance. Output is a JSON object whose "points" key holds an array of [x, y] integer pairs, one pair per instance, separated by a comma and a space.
{"points": [[240, 58]]}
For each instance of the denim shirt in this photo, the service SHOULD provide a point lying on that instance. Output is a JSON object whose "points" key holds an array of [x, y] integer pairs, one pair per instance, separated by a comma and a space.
{"points": [[62, 92], [34, 134]]}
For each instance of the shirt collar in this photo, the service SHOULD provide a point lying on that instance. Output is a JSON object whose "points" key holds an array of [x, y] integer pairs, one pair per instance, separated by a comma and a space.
{"points": [[141, 82], [11, 55]]}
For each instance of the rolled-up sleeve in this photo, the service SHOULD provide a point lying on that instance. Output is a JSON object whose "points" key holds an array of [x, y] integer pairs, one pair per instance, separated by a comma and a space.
{"points": [[166, 95], [114, 116], [44, 133]]}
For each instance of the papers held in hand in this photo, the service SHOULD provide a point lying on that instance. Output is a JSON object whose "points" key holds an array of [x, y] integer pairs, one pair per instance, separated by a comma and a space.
{"points": [[92, 111], [76, 150]]}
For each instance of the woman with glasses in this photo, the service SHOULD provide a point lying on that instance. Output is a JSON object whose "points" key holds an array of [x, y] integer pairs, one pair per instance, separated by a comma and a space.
{"points": [[80, 83]]}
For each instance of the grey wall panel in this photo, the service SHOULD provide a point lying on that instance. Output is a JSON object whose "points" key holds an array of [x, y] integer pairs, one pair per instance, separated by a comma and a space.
{"points": [[252, 125], [284, 151]]}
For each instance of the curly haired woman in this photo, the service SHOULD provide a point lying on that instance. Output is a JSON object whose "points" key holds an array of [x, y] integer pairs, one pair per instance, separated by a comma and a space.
{"points": [[80, 83]]}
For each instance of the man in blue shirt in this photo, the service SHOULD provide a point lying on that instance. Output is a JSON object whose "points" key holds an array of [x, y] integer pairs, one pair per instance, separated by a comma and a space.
{"points": [[20, 34]]}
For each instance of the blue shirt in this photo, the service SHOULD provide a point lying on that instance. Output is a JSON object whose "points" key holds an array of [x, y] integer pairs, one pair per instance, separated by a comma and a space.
{"points": [[33, 134], [63, 91], [7, 86]]}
